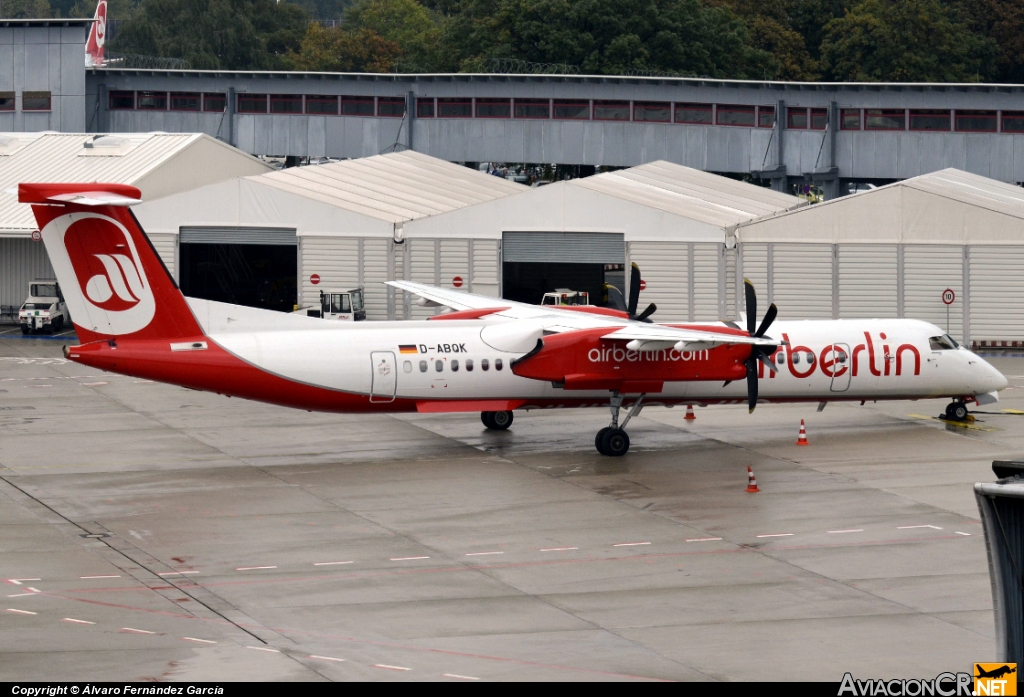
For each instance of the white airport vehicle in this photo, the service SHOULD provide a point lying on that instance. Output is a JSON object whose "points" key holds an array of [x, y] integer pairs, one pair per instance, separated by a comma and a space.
{"points": [[565, 296], [344, 305], [44, 309], [487, 355]]}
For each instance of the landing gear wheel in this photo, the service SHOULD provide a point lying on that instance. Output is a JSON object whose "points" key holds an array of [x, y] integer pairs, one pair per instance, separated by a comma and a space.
{"points": [[615, 442], [956, 411], [59, 324], [25, 329], [599, 439], [496, 420]]}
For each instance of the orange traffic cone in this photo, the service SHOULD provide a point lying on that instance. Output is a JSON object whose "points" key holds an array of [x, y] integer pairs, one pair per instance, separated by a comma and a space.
{"points": [[751, 481], [802, 440], [690, 416]]}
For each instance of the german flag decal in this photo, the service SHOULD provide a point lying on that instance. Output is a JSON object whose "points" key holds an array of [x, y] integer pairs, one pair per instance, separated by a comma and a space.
{"points": [[407, 348]]}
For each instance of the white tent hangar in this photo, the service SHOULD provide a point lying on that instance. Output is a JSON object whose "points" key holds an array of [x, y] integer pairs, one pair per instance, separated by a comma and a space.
{"points": [[893, 251], [158, 163]]}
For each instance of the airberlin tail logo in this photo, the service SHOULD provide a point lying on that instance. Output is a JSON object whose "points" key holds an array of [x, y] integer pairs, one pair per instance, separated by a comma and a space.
{"points": [[101, 256]]}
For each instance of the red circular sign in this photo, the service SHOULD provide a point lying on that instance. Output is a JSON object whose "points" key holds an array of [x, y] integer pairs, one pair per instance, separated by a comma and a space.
{"points": [[314, 279], [948, 296], [643, 284], [457, 281], [36, 236]]}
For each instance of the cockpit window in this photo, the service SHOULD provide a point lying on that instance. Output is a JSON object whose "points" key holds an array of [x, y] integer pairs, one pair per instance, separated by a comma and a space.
{"points": [[942, 343]]}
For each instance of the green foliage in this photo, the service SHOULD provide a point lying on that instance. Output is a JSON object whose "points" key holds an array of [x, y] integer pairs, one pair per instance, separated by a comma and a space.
{"points": [[25, 9], [406, 23], [344, 50]]}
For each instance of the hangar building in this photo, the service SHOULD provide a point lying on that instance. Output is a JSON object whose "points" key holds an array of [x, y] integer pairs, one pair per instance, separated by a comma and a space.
{"points": [[895, 250], [159, 164]]}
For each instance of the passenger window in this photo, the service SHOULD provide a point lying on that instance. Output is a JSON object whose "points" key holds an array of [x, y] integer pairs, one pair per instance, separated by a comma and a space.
{"points": [[423, 366], [485, 364], [810, 359], [469, 365], [840, 356], [796, 358], [455, 366], [497, 364], [780, 358], [439, 366], [407, 366]]}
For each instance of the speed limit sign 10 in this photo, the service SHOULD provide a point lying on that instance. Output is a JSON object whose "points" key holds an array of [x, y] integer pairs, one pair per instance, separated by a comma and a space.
{"points": [[948, 296]]}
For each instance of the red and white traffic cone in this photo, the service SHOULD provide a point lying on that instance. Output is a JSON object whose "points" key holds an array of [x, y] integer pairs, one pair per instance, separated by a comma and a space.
{"points": [[690, 416], [751, 481], [802, 440]]}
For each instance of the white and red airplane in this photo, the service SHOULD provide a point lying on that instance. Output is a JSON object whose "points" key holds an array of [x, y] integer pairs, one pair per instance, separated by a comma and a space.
{"points": [[94, 51], [486, 355]]}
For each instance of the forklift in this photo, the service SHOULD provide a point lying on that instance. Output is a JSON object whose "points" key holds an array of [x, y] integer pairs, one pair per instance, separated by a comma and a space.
{"points": [[345, 305]]}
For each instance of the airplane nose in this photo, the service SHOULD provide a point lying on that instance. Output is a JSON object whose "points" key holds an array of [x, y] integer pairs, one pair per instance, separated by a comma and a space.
{"points": [[993, 379]]}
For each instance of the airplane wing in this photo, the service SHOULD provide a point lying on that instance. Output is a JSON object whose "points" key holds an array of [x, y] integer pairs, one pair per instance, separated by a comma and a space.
{"points": [[656, 337]]}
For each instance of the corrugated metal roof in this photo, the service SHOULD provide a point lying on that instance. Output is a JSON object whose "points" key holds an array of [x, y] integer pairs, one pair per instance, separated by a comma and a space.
{"points": [[691, 193], [395, 187], [63, 157]]}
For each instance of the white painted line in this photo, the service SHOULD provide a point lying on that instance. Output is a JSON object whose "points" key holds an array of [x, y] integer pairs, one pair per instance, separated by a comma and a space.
{"points": [[20, 595], [458, 677], [778, 534], [840, 532], [911, 527], [176, 573], [387, 667], [141, 382], [88, 577], [40, 385], [330, 563], [254, 568], [631, 544], [17, 580], [14, 581], [21, 612], [328, 658], [704, 539], [482, 554], [965, 534], [407, 558], [136, 631], [201, 641], [559, 549], [72, 619], [34, 590], [261, 648], [93, 384]]}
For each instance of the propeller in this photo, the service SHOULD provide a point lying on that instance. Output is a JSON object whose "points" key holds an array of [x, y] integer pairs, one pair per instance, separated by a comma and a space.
{"points": [[634, 298], [757, 353]]}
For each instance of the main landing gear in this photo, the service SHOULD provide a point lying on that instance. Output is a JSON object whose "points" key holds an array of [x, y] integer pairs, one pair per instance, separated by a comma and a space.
{"points": [[496, 420], [612, 440], [957, 410]]}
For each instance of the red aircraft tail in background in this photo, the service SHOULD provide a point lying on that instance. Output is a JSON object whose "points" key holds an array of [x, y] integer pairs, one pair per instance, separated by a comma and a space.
{"points": [[97, 37]]}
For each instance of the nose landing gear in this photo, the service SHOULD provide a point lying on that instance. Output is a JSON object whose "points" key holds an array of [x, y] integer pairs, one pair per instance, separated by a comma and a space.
{"points": [[496, 420], [612, 440], [957, 410]]}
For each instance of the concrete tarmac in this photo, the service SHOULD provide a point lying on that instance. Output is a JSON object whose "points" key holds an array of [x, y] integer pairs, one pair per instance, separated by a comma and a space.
{"points": [[148, 532]]}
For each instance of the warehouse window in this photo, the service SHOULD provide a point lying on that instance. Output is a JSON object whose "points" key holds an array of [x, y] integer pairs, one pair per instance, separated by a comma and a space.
{"points": [[765, 117], [185, 101], [35, 101], [849, 119], [532, 109], [930, 120], [214, 101], [1013, 122], [391, 107], [6, 101], [884, 119], [694, 113], [660, 112], [796, 118], [323, 104], [976, 121], [153, 101], [572, 109], [425, 108], [494, 108], [252, 104], [610, 110], [819, 119], [286, 104], [454, 108], [357, 106], [735, 115], [121, 99]]}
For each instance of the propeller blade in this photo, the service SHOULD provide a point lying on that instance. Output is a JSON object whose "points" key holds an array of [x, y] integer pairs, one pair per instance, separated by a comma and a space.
{"points": [[769, 317], [769, 363], [726, 383], [751, 385], [642, 317], [634, 289], [751, 298], [615, 295]]}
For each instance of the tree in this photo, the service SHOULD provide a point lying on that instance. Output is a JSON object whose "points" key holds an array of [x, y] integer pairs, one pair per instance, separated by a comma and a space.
{"points": [[770, 24], [905, 41], [338, 49], [409, 25], [1003, 22], [25, 9]]}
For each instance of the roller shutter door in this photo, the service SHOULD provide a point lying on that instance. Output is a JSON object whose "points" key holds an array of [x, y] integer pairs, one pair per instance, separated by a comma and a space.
{"points": [[484, 278], [454, 263], [166, 245], [802, 280], [238, 235], [755, 268], [423, 269], [997, 306], [375, 275], [927, 271], [868, 286], [705, 282], [334, 259], [564, 247], [664, 267]]}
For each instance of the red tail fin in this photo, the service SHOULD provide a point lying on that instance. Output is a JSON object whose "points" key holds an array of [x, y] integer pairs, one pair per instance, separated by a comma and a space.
{"points": [[97, 36], [113, 280]]}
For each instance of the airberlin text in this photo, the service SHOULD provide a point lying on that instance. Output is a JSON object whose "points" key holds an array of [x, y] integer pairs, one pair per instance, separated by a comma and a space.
{"points": [[620, 355], [942, 685]]}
